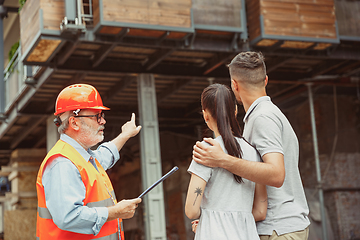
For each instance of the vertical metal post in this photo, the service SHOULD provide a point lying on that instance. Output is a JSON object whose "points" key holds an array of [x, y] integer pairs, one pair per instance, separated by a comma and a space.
{"points": [[70, 10], [154, 215], [2, 83], [79, 14], [317, 162]]}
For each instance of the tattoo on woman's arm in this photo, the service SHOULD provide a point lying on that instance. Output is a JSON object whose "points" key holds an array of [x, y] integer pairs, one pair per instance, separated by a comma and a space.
{"points": [[198, 192]]}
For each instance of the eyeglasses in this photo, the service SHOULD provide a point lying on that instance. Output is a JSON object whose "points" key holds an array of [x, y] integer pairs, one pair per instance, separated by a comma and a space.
{"points": [[98, 116]]}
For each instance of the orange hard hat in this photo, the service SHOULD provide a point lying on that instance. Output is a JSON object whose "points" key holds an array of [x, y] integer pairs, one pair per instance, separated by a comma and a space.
{"points": [[78, 96]]}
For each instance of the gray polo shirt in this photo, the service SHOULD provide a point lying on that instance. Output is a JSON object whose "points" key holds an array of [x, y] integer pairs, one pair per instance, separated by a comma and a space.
{"points": [[267, 128]]}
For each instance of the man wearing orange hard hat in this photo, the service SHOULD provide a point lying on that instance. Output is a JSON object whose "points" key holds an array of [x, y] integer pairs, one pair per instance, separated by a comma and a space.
{"points": [[76, 199]]}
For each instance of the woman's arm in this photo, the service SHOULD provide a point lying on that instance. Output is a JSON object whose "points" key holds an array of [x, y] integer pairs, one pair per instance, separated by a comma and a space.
{"points": [[260, 202], [194, 196]]}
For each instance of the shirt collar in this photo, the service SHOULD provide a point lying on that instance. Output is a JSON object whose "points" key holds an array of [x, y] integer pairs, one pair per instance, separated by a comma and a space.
{"points": [[85, 154], [254, 104]]}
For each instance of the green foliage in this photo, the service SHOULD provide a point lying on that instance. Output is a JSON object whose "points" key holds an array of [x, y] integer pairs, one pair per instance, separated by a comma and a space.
{"points": [[22, 2], [13, 50]]}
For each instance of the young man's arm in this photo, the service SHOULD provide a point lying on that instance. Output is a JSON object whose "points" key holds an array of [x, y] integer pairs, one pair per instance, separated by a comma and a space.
{"points": [[270, 172]]}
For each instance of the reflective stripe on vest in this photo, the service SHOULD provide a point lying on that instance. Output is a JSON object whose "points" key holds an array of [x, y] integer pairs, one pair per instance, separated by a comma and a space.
{"points": [[44, 212], [110, 237]]}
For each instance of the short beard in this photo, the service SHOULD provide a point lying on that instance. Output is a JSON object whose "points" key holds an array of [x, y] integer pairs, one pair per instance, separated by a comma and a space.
{"points": [[88, 137]]}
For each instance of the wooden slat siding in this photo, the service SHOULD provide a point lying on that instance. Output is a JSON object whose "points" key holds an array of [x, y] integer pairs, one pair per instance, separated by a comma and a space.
{"points": [[296, 44], [317, 2], [348, 18], [124, 14], [147, 33], [176, 35], [96, 12], [172, 13], [215, 32], [110, 30], [167, 17], [29, 23], [43, 50], [266, 42], [217, 12], [253, 18], [53, 13], [303, 18]]}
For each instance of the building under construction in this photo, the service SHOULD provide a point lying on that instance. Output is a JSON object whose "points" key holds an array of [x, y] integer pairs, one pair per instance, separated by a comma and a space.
{"points": [[154, 58]]}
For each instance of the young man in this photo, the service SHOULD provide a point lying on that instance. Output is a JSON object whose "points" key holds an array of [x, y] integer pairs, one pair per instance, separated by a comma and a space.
{"points": [[76, 199], [269, 131]]}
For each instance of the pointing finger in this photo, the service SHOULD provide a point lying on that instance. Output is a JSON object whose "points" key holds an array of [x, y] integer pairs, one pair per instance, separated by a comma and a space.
{"points": [[133, 117]]}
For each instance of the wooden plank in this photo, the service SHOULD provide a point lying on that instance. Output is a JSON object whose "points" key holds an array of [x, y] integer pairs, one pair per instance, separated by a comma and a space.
{"points": [[53, 13], [169, 4], [22, 169], [348, 18], [315, 7], [223, 33], [156, 12], [218, 13], [29, 23], [299, 18], [266, 42], [20, 224], [296, 44], [113, 13], [145, 33], [96, 12], [43, 50], [318, 2], [169, 18], [322, 46], [110, 30], [253, 18], [176, 35], [303, 30], [126, 3], [21, 155]]}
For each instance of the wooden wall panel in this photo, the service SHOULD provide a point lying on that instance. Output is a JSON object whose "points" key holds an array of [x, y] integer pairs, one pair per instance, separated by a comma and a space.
{"points": [[303, 18], [29, 23], [172, 13], [53, 13], [217, 12], [348, 18], [253, 18], [96, 12]]}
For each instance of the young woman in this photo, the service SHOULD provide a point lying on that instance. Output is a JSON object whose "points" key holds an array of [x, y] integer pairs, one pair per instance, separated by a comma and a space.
{"points": [[226, 204]]}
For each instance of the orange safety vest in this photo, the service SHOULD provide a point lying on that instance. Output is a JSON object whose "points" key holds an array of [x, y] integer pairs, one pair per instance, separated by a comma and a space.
{"points": [[98, 190]]}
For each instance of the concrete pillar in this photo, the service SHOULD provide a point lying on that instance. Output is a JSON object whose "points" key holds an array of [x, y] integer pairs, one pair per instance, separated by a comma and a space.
{"points": [[2, 83], [154, 215]]}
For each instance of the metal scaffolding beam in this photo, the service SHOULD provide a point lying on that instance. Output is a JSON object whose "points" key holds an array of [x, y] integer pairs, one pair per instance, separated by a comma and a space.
{"points": [[317, 163]]}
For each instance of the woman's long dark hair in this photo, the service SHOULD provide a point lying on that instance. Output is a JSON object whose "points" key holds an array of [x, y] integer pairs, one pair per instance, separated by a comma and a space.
{"points": [[220, 102]]}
